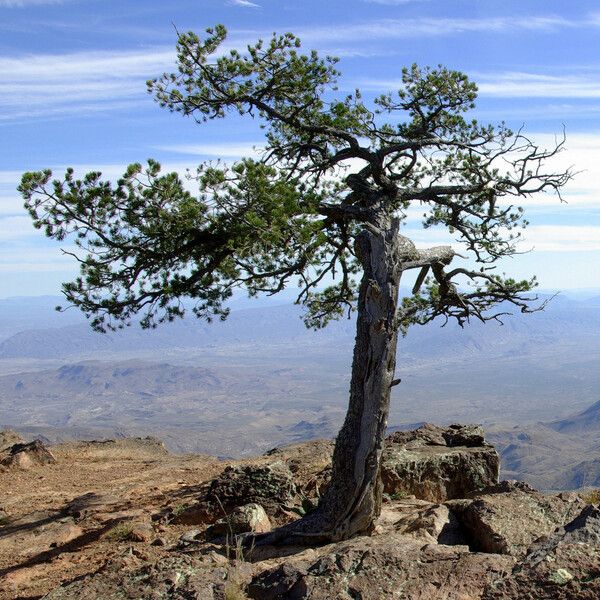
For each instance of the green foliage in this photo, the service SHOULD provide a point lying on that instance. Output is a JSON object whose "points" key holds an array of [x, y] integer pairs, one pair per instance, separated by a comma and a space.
{"points": [[147, 243]]}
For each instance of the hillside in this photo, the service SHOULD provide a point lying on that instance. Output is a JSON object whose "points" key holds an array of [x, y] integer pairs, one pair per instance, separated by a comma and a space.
{"points": [[586, 421], [561, 454], [261, 379], [118, 519]]}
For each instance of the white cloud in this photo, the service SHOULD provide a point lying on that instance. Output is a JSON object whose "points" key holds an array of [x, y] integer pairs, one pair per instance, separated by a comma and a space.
{"points": [[535, 85], [10, 205], [26, 257], [539, 238], [227, 150], [53, 112], [410, 28], [24, 3], [561, 238], [244, 3], [50, 85], [515, 84], [86, 65], [12, 228], [393, 2]]}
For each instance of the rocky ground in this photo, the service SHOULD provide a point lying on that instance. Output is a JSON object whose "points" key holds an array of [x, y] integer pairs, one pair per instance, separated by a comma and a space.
{"points": [[125, 519]]}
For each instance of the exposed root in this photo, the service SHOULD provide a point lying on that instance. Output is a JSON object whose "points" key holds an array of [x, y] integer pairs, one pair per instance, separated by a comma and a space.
{"points": [[308, 531]]}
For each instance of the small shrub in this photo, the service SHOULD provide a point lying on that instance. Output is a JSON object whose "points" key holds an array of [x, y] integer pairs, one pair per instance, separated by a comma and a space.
{"points": [[179, 509], [233, 589], [399, 495], [307, 506], [120, 533], [592, 496]]}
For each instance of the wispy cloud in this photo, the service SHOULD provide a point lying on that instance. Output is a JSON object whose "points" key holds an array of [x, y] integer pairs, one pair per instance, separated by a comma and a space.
{"points": [[393, 2], [244, 3], [50, 85], [30, 257], [539, 238], [24, 3], [43, 85], [226, 150], [561, 238], [517, 84], [411, 28], [10, 206], [534, 85], [16, 227]]}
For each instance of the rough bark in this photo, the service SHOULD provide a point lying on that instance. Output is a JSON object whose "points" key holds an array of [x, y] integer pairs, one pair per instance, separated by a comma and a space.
{"points": [[352, 501]]}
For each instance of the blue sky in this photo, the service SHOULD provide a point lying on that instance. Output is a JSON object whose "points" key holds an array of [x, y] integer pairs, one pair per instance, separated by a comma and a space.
{"points": [[72, 93]]}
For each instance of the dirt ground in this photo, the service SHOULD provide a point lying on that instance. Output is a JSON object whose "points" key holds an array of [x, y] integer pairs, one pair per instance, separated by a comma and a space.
{"points": [[61, 521]]}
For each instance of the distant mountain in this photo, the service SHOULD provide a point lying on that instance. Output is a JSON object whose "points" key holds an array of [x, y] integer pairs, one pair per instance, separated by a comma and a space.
{"points": [[222, 410], [549, 455], [258, 325], [563, 323], [261, 378], [586, 421], [582, 475], [24, 313], [104, 394]]}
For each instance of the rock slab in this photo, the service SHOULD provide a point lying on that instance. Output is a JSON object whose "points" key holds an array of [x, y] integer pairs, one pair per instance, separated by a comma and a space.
{"points": [[438, 464], [564, 565], [507, 518]]}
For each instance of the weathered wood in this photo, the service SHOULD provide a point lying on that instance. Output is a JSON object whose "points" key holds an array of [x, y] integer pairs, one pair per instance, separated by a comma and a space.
{"points": [[352, 501]]}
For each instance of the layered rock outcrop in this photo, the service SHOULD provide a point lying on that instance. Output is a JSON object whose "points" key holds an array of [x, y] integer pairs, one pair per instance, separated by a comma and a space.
{"points": [[437, 464]]}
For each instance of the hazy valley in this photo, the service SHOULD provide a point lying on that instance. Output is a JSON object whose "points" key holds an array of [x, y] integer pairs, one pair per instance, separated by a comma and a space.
{"points": [[261, 379]]}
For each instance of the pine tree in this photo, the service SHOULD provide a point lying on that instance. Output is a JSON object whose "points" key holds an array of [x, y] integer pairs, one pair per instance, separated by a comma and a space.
{"points": [[324, 207]]}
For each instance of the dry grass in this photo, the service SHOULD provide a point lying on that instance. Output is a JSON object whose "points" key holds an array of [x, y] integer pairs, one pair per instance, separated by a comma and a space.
{"points": [[233, 586], [592, 496], [233, 589], [129, 449], [119, 533]]}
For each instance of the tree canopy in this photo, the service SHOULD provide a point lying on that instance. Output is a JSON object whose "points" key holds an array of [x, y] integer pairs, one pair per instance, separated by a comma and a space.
{"points": [[291, 216]]}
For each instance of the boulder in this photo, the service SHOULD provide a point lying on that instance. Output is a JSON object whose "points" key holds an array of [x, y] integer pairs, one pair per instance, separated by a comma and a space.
{"points": [[432, 523], [243, 519], [564, 565], [93, 504], [9, 438], [177, 577], [141, 532], [38, 532], [310, 464], [437, 464], [27, 455], [370, 568], [386, 566], [508, 517], [270, 485]]}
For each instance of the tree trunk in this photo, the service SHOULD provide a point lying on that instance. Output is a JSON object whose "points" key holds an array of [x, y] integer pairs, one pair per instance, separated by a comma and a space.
{"points": [[352, 501]]}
